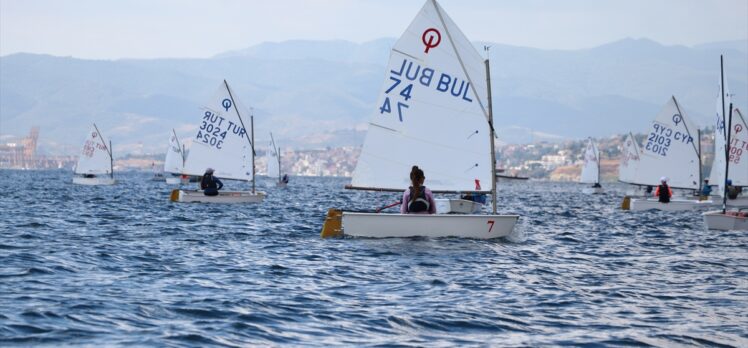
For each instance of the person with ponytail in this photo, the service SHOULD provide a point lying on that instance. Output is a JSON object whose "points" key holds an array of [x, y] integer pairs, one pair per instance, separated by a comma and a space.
{"points": [[417, 199]]}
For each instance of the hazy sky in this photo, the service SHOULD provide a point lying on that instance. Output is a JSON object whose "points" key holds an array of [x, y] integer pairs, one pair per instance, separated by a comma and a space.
{"points": [[189, 28]]}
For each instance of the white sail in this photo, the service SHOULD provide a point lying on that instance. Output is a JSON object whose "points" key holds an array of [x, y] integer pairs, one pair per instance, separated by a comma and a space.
{"points": [[670, 150], [95, 157], [717, 174], [174, 162], [273, 165], [591, 167], [431, 112], [630, 156], [221, 141], [738, 159]]}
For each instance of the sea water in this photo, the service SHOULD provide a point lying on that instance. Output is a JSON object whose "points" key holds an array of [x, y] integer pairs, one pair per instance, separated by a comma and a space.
{"points": [[121, 265]]}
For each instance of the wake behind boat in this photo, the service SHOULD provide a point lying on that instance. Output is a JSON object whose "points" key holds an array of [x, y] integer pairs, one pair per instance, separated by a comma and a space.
{"points": [[95, 164], [434, 111], [223, 143]]}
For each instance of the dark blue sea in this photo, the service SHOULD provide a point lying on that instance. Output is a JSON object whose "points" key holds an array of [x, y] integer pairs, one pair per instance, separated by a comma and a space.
{"points": [[123, 266]]}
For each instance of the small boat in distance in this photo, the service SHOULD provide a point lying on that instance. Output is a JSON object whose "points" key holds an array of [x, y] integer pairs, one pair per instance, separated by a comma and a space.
{"points": [[671, 151], [734, 153], [274, 163], [591, 169], [174, 161], [434, 111], [502, 175], [222, 143], [95, 164]]}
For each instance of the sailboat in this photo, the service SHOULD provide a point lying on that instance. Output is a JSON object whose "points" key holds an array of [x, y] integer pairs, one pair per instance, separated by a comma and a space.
{"points": [[174, 161], [629, 163], [672, 151], [735, 152], [157, 174], [95, 164], [591, 169], [434, 111], [222, 143], [274, 162], [739, 137]]}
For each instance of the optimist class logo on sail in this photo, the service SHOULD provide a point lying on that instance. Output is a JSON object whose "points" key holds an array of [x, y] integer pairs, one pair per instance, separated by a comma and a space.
{"points": [[410, 74]]}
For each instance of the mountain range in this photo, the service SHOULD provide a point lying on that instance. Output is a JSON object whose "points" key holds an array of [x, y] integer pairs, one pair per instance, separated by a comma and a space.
{"points": [[313, 94]]}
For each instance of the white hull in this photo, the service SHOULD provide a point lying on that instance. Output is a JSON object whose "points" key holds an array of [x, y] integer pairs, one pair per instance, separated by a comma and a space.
{"points": [[191, 196], [674, 205], [432, 226], [593, 190], [157, 178], [176, 180], [715, 220], [740, 202], [99, 180], [457, 206]]}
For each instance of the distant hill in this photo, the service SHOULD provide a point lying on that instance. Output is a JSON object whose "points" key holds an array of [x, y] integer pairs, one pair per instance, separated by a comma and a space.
{"points": [[322, 93]]}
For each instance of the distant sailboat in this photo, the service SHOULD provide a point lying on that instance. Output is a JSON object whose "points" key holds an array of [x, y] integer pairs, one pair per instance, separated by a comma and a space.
{"points": [[158, 175], [274, 163], [174, 161], [671, 151], [434, 111], [630, 157], [95, 163], [222, 143], [591, 168], [735, 152], [739, 137]]}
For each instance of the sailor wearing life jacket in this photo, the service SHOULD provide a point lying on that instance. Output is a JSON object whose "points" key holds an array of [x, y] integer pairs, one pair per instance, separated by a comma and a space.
{"points": [[417, 199], [663, 192]]}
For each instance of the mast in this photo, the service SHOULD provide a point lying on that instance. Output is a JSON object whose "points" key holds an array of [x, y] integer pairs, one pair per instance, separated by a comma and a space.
{"points": [[701, 175], [111, 161], [727, 162], [597, 154], [725, 133], [492, 135], [252, 124]]}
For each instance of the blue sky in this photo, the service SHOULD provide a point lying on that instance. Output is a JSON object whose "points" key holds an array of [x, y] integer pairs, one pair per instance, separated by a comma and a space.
{"points": [[188, 28]]}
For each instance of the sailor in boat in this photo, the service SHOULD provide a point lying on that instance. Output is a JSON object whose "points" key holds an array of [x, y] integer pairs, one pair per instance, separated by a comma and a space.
{"points": [[210, 184], [663, 192], [89, 176], [733, 191], [417, 199], [597, 185], [475, 197], [284, 179], [706, 190]]}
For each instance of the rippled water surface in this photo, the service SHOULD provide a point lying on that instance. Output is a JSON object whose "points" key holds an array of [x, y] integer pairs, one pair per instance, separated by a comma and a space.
{"points": [[121, 265]]}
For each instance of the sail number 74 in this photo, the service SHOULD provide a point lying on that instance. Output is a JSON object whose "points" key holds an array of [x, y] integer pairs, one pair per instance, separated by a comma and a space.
{"points": [[405, 93]]}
